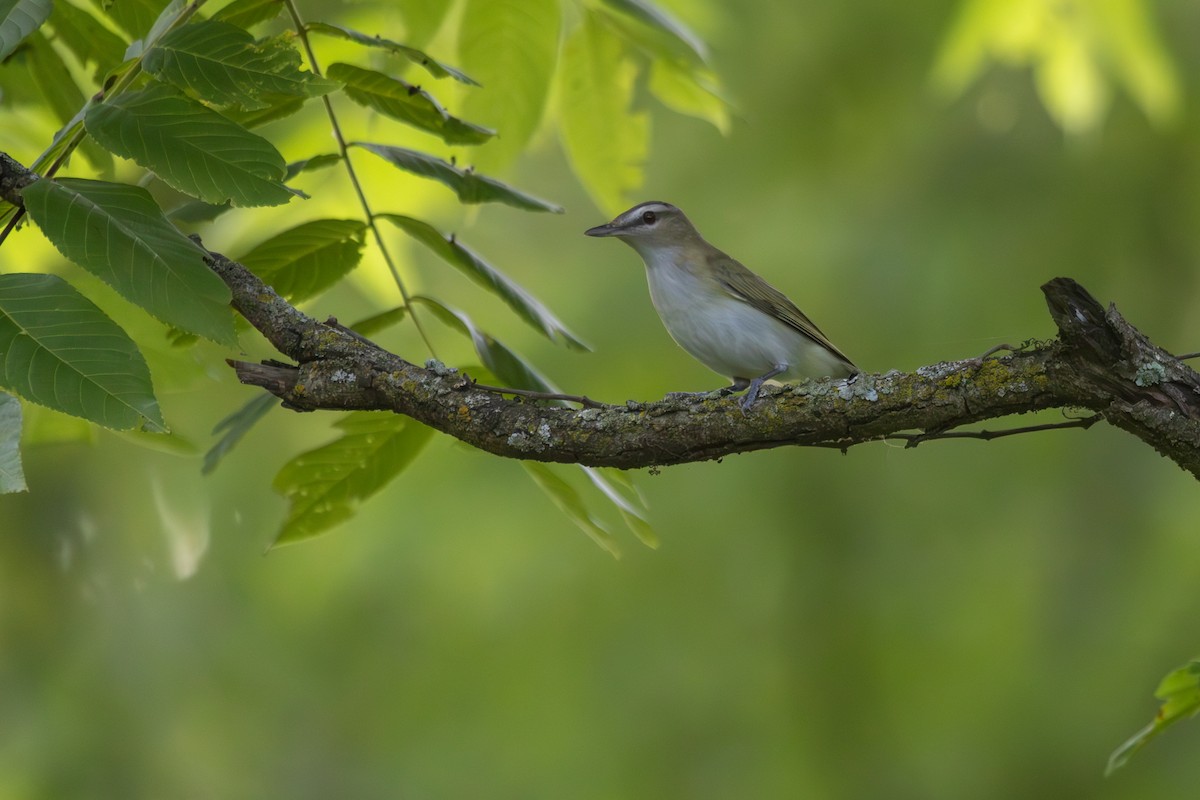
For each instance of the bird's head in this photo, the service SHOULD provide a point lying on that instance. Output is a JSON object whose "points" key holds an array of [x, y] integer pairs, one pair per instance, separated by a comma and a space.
{"points": [[653, 225]]}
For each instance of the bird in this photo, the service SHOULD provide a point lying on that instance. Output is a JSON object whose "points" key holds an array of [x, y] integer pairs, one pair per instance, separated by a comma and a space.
{"points": [[724, 315]]}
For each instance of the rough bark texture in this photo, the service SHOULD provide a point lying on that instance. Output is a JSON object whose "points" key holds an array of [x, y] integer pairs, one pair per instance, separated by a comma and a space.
{"points": [[1099, 362]]}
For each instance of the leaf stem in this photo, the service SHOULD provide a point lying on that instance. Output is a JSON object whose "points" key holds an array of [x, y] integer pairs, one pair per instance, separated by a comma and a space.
{"points": [[344, 151]]}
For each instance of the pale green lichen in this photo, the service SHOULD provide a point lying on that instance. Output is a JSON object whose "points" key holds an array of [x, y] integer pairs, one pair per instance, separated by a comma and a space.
{"points": [[440, 369], [861, 386], [1151, 373]]}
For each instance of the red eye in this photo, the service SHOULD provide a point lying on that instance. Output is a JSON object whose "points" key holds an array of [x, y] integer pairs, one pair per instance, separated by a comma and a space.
{"points": [[649, 218]]}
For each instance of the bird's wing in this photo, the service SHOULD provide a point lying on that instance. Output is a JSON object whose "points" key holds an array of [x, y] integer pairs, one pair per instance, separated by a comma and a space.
{"points": [[749, 288]]}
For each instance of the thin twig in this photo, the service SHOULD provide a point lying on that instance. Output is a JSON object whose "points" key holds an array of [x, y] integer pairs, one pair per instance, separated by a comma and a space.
{"points": [[529, 393], [1186, 356], [914, 439], [344, 151], [12, 223]]}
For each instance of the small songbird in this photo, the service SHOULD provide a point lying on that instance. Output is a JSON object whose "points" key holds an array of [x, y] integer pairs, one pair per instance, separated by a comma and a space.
{"points": [[728, 318]]}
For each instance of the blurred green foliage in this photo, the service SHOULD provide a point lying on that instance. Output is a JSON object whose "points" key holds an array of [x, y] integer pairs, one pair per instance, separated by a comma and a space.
{"points": [[960, 620]]}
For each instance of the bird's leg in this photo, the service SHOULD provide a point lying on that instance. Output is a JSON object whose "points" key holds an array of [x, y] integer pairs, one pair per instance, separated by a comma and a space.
{"points": [[756, 384], [738, 385]]}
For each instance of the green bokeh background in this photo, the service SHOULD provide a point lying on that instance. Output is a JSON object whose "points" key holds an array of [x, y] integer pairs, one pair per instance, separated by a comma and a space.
{"points": [[965, 619]]}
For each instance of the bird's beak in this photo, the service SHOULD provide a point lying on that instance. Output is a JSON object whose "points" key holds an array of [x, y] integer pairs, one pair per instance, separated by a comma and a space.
{"points": [[607, 229]]}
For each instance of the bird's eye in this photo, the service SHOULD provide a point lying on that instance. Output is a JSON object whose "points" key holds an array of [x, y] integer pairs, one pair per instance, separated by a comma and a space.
{"points": [[649, 217]]}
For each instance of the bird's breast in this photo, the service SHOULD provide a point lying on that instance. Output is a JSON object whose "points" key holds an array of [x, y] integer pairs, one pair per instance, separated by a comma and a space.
{"points": [[725, 334]]}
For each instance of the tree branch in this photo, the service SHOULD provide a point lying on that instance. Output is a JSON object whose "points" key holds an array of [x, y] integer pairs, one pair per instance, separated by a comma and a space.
{"points": [[1099, 362]]}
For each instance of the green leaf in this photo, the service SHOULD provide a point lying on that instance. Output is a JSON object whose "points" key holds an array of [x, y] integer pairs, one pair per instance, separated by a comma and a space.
{"points": [[223, 64], [570, 503], [304, 261], [118, 233], [58, 350], [406, 103], [614, 485], [138, 17], [12, 475], [308, 164], [191, 147], [62, 95], [422, 19], [435, 68], [53, 79], [1180, 693], [470, 186], [606, 141], [375, 323], [691, 92], [279, 107], [1071, 84], [245, 13], [18, 19], [456, 254], [513, 371], [1074, 53], [511, 46], [235, 426], [1139, 58], [678, 38], [325, 485], [87, 38]]}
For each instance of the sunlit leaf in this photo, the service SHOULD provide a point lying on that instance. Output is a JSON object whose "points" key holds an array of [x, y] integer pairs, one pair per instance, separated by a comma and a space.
{"points": [[245, 13], [606, 140], [18, 19], [511, 46], [470, 186], [658, 20], [687, 91], [12, 475], [84, 36], [118, 233], [62, 352], [570, 503], [190, 146], [1139, 58], [458, 255], [512, 370], [405, 103], [235, 426], [324, 486], [1071, 85], [224, 65], [433, 66], [1180, 693], [304, 261], [1075, 52]]}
